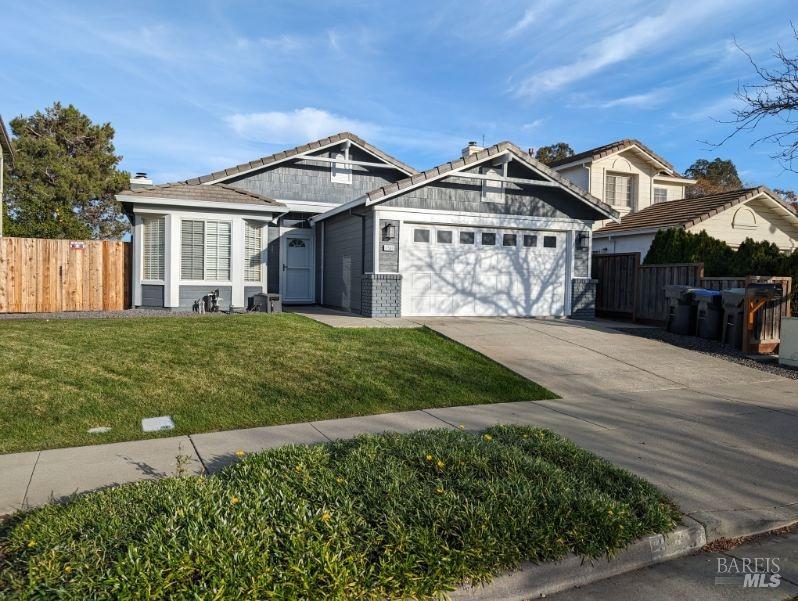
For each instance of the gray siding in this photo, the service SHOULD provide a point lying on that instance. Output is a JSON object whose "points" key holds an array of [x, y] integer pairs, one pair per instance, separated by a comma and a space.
{"points": [[368, 242], [310, 181], [188, 294], [273, 259], [465, 195], [343, 261], [381, 295], [151, 295], [389, 259]]}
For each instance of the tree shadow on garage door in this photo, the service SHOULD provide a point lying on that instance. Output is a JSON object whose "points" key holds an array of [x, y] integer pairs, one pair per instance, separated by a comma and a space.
{"points": [[479, 279]]}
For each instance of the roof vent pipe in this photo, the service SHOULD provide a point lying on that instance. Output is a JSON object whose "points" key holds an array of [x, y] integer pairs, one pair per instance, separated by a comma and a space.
{"points": [[140, 180]]}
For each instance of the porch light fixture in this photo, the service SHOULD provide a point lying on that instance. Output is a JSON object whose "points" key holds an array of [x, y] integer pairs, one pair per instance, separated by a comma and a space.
{"points": [[388, 231], [582, 241]]}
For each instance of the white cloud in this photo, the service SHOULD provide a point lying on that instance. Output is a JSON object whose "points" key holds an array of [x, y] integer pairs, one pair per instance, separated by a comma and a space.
{"points": [[294, 127], [531, 15], [639, 38], [635, 100], [532, 124]]}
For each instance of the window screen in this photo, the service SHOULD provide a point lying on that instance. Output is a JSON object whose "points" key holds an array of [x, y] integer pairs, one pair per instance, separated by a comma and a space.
{"points": [[192, 250], [217, 250], [252, 252]]}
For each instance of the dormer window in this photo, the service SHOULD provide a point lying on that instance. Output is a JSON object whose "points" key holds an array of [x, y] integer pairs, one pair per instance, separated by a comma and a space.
{"points": [[618, 190], [340, 173]]}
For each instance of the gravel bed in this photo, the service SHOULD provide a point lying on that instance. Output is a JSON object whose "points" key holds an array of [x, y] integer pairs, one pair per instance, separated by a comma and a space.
{"points": [[713, 348], [110, 314]]}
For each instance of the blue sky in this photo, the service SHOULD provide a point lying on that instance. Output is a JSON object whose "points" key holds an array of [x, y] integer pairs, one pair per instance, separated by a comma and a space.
{"points": [[196, 86]]}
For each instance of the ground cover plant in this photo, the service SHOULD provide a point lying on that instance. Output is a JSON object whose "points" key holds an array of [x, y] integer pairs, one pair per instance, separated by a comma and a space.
{"points": [[60, 378], [380, 516]]}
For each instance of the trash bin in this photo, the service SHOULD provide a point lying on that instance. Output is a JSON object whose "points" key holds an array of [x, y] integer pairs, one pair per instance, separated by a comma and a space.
{"points": [[732, 329], [681, 310], [709, 313], [260, 302], [275, 304]]}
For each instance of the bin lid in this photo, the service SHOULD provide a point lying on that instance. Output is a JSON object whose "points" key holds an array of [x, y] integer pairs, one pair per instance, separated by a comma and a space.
{"points": [[705, 293]]}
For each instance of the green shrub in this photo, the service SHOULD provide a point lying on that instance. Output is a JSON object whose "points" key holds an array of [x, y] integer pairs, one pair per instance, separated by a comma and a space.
{"points": [[720, 260], [392, 516]]}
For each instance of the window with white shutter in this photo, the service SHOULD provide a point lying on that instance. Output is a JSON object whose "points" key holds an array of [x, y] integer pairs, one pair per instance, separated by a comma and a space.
{"points": [[192, 250], [217, 250], [618, 190], [154, 236], [252, 252]]}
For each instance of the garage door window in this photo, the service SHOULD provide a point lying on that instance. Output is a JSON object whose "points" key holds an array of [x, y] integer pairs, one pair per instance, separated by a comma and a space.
{"points": [[488, 239], [421, 235], [509, 240], [530, 240], [466, 237], [550, 241], [444, 236]]}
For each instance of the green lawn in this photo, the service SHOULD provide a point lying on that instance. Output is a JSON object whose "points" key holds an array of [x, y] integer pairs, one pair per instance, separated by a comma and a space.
{"points": [[395, 516], [59, 378]]}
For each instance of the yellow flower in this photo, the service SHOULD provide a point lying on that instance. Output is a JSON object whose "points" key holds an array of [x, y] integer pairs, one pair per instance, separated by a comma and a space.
{"points": [[440, 464], [439, 490], [325, 517], [487, 437], [235, 500], [526, 435], [339, 479], [429, 457], [461, 426], [298, 468], [68, 569], [31, 543], [240, 453]]}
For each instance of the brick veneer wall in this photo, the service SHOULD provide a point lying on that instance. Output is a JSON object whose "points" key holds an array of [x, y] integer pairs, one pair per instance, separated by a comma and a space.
{"points": [[381, 295]]}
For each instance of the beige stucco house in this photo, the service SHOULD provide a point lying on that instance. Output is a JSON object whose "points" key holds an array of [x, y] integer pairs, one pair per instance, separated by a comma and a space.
{"points": [[627, 175], [755, 213]]}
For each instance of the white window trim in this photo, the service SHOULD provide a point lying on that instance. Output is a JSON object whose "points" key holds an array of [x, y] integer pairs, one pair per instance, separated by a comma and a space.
{"points": [[631, 189]]}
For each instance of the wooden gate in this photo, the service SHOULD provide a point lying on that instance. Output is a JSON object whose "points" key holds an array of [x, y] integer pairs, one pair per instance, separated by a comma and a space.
{"points": [[617, 283], [63, 275]]}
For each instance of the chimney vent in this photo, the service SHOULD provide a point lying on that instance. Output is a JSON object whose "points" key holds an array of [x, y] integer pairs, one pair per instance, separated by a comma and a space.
{"points": [[140, 180], [471, 148]]}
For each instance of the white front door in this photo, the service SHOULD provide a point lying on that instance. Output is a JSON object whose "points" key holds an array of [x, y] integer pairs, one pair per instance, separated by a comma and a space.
{"points": [[297, 256], [461, 270]]}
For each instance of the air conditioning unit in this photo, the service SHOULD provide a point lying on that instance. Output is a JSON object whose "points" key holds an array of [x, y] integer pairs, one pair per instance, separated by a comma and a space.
{"points": [[788, 345]]}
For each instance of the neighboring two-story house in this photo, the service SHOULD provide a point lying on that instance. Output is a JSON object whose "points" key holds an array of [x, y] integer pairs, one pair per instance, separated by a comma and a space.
{"points": [[341, 223], [627, 175]]}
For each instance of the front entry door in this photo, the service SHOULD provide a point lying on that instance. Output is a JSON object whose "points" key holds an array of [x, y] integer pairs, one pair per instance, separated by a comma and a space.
{"points": [[297, 268]]}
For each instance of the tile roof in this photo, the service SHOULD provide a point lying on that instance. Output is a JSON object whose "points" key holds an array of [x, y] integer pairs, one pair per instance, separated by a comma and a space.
{"points": [[287, 154], [5, 141], [391, 189], [686, 212], [611, 148], [210, 193]]}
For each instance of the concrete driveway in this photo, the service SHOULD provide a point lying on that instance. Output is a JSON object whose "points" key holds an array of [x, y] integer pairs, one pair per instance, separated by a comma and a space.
{"points": [[720, 438]]}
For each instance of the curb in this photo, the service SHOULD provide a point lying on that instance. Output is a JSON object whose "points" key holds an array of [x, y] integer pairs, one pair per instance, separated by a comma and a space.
{"points": [[538, 580]]}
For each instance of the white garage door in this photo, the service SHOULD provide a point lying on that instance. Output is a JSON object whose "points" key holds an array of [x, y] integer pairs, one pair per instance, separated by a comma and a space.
{"points": [[449, 270]]}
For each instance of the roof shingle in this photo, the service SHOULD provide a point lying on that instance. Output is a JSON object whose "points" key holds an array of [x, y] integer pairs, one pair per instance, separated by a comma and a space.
{"points": [[611, 148], [684, 213], [210, 193]]}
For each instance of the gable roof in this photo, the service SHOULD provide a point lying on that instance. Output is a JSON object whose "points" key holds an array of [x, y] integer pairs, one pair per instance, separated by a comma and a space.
{"points": [[452, 167], [285, 155], [600, 152], [687, 212], [5, 142], [211, 193]]}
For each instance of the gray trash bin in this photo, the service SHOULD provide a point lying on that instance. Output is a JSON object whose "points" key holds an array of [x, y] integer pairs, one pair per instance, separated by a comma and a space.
{"points": [[709, 313], [681, 310], [732, 329]]}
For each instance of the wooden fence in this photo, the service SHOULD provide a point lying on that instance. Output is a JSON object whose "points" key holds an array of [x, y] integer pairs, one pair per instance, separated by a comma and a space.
{"points": [[651, 306], [63, 275], [617, 283]]}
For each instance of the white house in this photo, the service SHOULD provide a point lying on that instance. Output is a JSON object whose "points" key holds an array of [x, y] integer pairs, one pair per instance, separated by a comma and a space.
{"points": [[626, 174], [755, 213]]}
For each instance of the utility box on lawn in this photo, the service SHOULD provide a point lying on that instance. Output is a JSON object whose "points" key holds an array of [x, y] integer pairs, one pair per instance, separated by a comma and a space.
{"points": [[788, 348]]}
